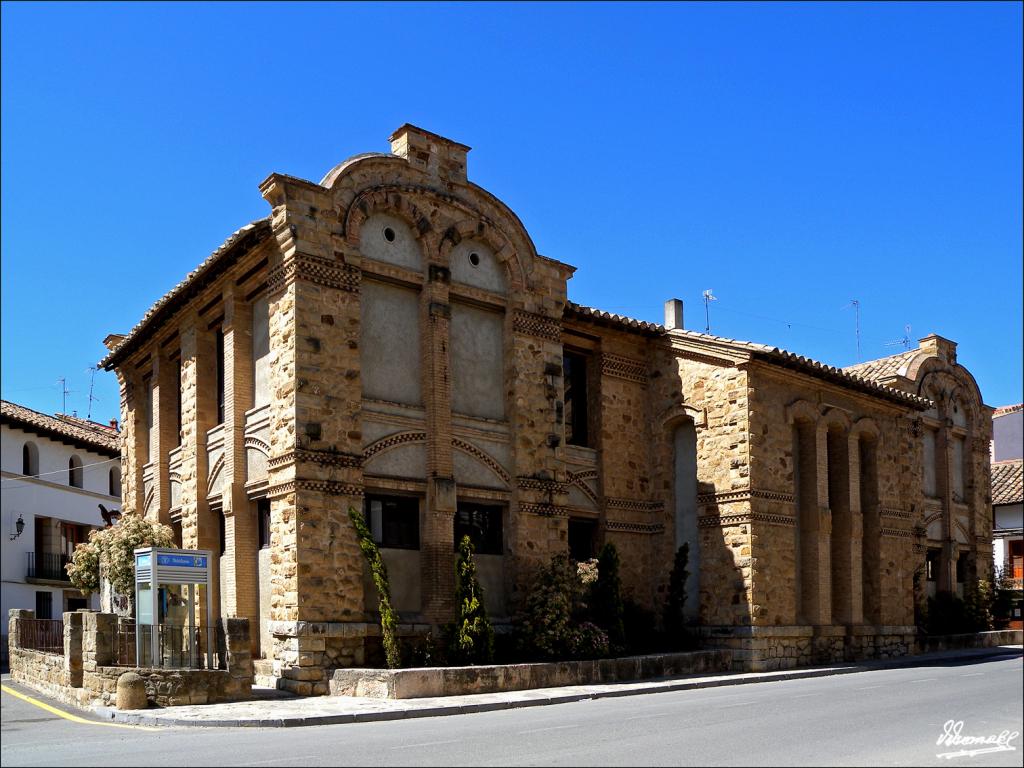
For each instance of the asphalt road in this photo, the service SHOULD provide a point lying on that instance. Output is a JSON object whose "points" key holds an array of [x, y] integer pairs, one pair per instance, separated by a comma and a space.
{"points": [[885, 717]]}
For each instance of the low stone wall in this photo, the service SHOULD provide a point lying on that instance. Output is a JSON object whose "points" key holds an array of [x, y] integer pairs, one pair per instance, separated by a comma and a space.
{"points": [[767, 649], [976, 640], [458, 681], [84, 673]]}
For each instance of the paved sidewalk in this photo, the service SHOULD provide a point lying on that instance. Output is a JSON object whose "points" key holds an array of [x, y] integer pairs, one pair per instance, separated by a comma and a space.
{"points": [[275, 709]]}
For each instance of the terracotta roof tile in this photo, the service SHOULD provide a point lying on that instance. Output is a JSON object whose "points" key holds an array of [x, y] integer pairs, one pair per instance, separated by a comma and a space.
{"points": [[260, 226], [1008, 482], [843, 376], [884, 367], [86, 434]]}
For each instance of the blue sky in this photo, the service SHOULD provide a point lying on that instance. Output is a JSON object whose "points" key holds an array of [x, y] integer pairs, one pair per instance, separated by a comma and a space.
{"points": [[789, 157]]}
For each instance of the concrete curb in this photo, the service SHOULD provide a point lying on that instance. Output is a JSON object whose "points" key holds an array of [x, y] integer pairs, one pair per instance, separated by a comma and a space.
{"points": [[108, 713]]}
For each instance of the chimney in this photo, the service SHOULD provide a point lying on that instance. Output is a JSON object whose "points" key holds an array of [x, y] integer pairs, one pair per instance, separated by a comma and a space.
{"points": [[113, 341], [433, 154], [113, 424], [674, 314]]}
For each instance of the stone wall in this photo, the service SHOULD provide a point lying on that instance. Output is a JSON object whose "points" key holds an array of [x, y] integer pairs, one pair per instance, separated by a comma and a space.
{"points": [[84, 673]]}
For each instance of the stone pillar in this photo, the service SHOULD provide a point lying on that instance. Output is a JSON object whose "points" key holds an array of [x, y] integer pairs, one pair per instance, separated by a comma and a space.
{"points": [[134, 440], [240, 564], [822, 547], [437, 536], [99, 635], [73, 648], [199, 524], [164, 432], [235, 653]]}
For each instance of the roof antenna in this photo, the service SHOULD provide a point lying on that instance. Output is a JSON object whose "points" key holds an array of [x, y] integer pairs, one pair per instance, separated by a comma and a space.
{"points": [[708, 298], [65, 392], [92, 378], [855, 303], [905, 342]]}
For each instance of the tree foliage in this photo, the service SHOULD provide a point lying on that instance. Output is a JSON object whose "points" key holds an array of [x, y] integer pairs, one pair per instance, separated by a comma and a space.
{"points": [[473, 636], [112, 550], [379, 572]]}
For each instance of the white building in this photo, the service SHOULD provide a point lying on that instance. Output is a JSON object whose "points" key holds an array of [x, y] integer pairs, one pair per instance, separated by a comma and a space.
{"points": [[55, 471]]}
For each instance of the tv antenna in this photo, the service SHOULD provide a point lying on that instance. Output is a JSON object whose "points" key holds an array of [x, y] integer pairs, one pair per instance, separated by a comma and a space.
{"points": [[905, 342], [708, 298], [92, 379], [64, 394], [855, 303]]}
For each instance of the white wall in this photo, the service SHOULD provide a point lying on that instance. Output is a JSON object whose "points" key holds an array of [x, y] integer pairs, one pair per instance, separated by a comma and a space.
{"points": [[48, 495]]}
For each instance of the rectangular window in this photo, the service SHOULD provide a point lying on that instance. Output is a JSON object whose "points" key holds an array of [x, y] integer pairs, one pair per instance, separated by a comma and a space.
{"points": [[394, 521], [222, 535], [582, 535], [263, 517], [261, 351], [220, 376], [961, 568], [931, 564], [483, 524], [574, 375], [44, 605]]}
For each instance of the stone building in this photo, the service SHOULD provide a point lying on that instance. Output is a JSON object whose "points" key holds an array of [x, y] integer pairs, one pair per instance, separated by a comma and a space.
{"points": [[389, 338]]}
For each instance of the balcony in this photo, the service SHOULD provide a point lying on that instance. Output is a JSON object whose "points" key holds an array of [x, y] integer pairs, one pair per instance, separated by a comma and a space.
{"points": [[47, 566]]}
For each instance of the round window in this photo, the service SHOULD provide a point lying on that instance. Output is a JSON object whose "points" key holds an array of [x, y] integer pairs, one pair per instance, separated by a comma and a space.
{"points": [[474, 259], [389, 234]]}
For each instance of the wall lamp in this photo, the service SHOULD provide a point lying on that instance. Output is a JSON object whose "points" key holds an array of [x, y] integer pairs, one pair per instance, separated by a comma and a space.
{"points": [[19, 526]]}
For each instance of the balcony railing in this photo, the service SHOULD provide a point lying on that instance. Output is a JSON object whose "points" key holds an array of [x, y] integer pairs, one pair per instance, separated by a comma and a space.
{"points": [[47, 565]]}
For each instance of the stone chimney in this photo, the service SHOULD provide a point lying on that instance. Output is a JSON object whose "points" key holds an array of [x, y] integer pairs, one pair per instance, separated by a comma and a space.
{"points": [[674, 314], [433, 154], [942, 348]]}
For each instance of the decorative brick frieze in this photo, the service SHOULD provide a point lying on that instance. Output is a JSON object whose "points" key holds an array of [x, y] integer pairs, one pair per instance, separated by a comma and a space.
{"points": [[897, 533], [897, 514], [744, 494], [627, 526], [543, 510], [711, 521], [634, 505], [316, 270], [544, 486], [541, 326], [626, 368], [391, 441], [319, 457], [329, 487], [483, 458]]}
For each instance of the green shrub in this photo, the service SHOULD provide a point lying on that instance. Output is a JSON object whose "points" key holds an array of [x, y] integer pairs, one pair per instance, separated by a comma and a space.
{"points": [[472, 636], [606, 598], [544, 626], [379, 571]]}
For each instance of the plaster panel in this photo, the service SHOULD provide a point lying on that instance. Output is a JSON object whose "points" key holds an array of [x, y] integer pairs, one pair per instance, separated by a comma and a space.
{"points": [[402, 461], [477, 362], [390, 343], [401, 249], [474, 263]]}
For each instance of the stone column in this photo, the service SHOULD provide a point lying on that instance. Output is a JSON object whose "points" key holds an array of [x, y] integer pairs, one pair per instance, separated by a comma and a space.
{"points": [[240, 572], [437, 536], [164, 432], [199, 525], [99, 634], [134, 445]]}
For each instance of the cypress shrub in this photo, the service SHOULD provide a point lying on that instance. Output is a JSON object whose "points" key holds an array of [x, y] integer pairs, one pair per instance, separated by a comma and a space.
{"points": [[379, 571], [675, 621], [473, 635]]}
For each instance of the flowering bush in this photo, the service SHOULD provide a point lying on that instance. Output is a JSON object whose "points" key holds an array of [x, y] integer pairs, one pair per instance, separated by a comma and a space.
{"points": [[553, 622], [113, 550], [587, 571]]}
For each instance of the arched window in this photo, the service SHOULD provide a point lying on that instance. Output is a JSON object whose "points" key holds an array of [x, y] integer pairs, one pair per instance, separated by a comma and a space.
{"points": [[75, 472], [115, 481], [29, 459]]}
